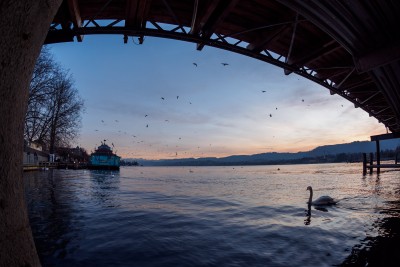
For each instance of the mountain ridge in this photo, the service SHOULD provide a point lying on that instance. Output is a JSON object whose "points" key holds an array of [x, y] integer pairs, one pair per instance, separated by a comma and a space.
{"points": [[278, 157]]}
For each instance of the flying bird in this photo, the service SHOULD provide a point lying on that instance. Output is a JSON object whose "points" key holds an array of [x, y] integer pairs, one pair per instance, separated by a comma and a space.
{"points": [[177, 96], [102, 121], [147, 126], [116, 120], [302, 100], [162, 98], [146, 115], [270, 115], [263, 91], [195, 64], [224, 64]]}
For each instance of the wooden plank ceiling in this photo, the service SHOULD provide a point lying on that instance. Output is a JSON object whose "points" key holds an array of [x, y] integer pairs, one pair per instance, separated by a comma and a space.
{"points": [[350, 47]]}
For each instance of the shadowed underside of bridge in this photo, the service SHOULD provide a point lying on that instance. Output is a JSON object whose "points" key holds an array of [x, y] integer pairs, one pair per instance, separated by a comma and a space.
{"points": [[351, 47]]}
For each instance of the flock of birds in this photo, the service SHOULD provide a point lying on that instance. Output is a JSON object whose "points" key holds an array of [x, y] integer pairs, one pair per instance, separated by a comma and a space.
{"points": [[148, 125]]}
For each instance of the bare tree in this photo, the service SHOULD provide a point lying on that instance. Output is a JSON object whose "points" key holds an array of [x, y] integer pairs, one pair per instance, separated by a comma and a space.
{"points": [[54, 106], [65, 107], [36, 118]]}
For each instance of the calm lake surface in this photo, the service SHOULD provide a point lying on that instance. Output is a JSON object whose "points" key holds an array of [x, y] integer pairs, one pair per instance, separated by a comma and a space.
{"points": [[215, 216]]}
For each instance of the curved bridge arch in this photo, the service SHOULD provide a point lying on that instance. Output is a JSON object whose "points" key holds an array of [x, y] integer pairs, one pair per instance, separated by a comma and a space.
{"points": [[350, 47]]}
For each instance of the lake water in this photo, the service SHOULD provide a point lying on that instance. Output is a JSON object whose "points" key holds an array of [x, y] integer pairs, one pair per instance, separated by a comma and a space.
{"points": [[215, 216]]}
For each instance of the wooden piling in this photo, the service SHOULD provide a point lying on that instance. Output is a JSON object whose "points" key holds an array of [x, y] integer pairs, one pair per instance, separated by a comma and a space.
{"points": [[378, 157], [364, 164], [371, 161]]}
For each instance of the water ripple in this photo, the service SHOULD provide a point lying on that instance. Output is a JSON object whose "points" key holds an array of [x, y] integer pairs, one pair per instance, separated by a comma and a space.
{"points": [[254, 216]]}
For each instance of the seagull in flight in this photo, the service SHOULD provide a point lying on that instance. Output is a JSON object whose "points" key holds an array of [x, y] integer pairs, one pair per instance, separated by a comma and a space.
{"points": [[263, 91], [224, 64], [162, 98], [195, 64], [146, 115], [177, 96], [270, 115]]}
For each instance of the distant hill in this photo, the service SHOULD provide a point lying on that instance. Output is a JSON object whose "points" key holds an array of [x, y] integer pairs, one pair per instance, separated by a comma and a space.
{"points": [[356, 147], [321, 152]]}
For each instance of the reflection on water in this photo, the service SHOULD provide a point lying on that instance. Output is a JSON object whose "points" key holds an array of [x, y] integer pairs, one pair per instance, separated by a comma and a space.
{"points": [[214, 216], [52, 218], [307, 221], [104, 187]]}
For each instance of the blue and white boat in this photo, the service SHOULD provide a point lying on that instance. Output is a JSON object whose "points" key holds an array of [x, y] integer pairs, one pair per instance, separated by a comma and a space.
{"points": [[104, 159]]}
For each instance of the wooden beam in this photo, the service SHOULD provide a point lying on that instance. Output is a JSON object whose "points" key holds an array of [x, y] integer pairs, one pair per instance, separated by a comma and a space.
{"points": [[173, 14], [292, 42], [136, 13], [194, 16], [315, 54], [358, 83], [200, 22], [385, 136], [214, 15], [378, 57], [75, 13], [370, 97], [262, 42], [345, 79], [131, 13]]}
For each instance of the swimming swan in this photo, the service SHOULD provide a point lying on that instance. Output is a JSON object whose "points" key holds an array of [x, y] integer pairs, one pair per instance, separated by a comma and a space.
{"points": [[321, 201]]}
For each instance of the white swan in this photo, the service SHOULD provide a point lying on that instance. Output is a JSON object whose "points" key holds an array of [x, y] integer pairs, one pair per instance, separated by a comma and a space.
{"points": [[321, 201]]}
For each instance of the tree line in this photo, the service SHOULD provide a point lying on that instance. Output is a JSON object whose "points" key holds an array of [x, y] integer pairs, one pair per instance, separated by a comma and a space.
{"points": [[53, 116]]}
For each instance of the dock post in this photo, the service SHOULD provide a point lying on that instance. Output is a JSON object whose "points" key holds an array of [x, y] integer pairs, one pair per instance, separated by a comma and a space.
{"points": [[371, 162], [378, 157], [364, 163]]}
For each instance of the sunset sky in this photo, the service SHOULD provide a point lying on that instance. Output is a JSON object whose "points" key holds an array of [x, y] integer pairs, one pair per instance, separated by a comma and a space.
{"points": [[208, 110]]}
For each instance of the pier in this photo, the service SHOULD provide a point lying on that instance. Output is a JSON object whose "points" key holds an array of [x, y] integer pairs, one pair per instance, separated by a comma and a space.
{"points": [[370, 164], [54, 165]]}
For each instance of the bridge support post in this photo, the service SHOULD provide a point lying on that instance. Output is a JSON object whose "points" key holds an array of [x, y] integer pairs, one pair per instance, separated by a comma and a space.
{"points": [[23, 29], [371, 162], [378, 157], [364, 164]]}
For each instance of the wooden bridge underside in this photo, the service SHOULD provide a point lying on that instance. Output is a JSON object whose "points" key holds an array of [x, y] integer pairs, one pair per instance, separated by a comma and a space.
{"points": [[350, 47]]}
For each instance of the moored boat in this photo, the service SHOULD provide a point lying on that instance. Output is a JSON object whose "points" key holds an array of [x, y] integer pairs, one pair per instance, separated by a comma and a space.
{"points": [[104, 158]]}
